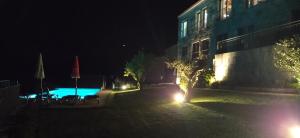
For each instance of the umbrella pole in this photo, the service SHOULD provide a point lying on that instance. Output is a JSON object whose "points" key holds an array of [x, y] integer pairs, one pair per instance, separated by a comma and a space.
{"points": [[76, 86], [42, 87]]}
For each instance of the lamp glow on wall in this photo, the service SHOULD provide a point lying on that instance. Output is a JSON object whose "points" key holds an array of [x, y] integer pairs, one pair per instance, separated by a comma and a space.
{"points": [[222, 64], [178, 80]]}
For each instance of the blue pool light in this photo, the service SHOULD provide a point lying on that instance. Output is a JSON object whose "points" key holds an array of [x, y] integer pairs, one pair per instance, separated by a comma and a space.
{"points": [[61, 92]]}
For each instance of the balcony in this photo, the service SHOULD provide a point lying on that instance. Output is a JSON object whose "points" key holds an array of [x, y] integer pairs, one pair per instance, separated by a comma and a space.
{"points": [[265, 37]]}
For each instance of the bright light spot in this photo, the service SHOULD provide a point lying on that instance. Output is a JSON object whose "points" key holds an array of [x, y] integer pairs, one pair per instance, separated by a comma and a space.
{"points": [[178, 80], [124, 87], [32, 96], [295, 132], [179, 97]]}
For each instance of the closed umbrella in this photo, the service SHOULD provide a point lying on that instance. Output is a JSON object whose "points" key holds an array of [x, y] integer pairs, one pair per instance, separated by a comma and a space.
{"points": [[40, 74], [75, 73]]}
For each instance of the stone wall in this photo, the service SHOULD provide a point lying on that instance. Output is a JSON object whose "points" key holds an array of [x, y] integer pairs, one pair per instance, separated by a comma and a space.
{"points": [[249, 68]]}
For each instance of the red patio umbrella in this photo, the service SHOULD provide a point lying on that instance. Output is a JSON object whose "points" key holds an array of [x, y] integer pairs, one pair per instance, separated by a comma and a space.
{"points": [[75, 73]]}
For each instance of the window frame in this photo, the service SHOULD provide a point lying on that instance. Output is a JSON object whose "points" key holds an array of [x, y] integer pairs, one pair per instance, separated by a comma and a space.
{"points": [[202, 50], [202, 19], [196, 49]]}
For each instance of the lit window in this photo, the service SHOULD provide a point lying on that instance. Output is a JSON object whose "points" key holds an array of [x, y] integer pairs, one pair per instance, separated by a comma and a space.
{"points": [[202, 19], [225, 8], [199, 17], [251, 3], [205, 18], [183, 30]]}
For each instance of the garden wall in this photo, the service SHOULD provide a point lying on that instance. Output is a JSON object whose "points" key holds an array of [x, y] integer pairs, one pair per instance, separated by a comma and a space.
{"points": [[250, 68]]}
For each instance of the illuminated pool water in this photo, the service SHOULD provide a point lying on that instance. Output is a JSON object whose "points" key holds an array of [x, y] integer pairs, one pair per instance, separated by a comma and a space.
{"points": [[61, 92]]}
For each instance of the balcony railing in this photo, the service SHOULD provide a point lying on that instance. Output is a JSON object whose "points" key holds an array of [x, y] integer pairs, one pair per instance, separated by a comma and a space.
{"points": [[265, 37]]}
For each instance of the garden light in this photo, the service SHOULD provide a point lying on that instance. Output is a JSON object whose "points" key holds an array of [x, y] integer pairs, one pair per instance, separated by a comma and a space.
{"points": [[294, 132], [124, 87], [179, 97]]}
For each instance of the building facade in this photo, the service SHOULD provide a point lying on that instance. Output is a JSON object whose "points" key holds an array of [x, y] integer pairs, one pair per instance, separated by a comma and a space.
{"points": [[211, 28]]}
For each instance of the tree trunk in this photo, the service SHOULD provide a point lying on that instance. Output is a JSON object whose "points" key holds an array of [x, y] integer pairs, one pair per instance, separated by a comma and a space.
{"points": [[138, 85], [141, 87], [189, 92]]}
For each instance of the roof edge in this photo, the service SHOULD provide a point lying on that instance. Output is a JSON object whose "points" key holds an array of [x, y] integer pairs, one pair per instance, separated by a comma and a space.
{"points": [[190, 8]]}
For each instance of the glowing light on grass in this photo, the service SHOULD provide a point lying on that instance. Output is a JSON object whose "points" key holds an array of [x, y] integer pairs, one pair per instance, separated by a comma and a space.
{"points": [[294, 132], [179, 97]]}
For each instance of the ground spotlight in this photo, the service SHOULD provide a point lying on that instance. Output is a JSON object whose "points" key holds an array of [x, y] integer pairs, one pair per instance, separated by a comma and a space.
{"points": [[179, 97], [124, 87]]}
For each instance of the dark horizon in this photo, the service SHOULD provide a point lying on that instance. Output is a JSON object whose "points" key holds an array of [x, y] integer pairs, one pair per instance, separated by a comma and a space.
{"points": [[94, 31]]}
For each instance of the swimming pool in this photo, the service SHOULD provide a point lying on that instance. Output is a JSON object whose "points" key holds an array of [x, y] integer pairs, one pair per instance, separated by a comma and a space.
{"points": [[61, 92]]}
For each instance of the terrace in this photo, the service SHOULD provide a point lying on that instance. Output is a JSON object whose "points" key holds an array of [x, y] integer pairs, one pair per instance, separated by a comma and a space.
{"points": [[265, 37]]}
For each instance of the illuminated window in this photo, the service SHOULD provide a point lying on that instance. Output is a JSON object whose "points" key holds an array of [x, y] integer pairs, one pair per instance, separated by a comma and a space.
{"points": [[202, 19], [251, 3], [199, 17], [183, 30], [225, 8], [205, 18]]}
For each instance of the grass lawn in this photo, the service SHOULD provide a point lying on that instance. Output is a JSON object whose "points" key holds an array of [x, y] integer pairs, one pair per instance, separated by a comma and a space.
{"points": [[152, 113]]}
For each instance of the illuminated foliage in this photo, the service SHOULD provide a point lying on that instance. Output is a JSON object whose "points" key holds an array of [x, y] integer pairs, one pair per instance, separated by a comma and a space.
{"points": [[287, 56], [209, 77], [136, 67], [188, 71]]}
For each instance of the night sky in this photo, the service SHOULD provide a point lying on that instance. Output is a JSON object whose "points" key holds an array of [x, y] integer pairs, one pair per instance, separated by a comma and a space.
{"points": [[94, 30]]}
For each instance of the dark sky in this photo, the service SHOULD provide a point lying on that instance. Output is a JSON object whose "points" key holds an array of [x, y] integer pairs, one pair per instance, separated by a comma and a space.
{"points": [[93, 30]]}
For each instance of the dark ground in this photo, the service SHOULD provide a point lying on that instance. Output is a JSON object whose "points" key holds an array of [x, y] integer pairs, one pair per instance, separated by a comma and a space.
{"points": [[152, 113]]}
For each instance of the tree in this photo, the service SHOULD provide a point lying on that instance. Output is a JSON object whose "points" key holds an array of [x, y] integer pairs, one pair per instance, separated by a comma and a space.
{"points": [[287, 56], [137, 67], [189, 72]]}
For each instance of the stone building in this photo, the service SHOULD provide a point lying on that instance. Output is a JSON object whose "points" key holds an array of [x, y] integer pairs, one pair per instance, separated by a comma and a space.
{"points": [[236, 36]]}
